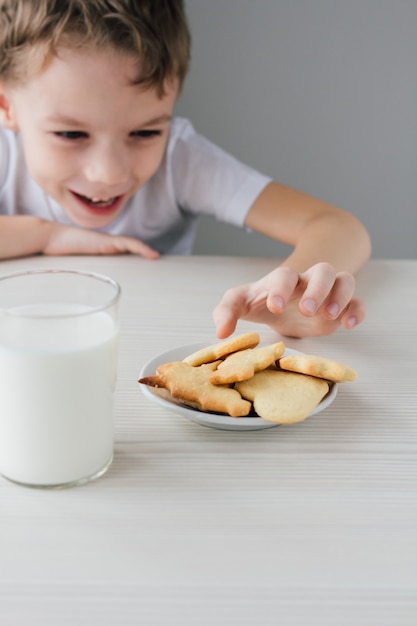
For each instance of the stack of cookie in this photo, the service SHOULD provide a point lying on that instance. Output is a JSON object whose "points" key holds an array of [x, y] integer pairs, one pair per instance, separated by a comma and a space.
{"points": [[238, 378]]}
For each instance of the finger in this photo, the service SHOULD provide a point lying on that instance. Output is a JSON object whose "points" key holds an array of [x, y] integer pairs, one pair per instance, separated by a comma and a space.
{"points": [[281, 284], [354, 314], [135, 246], [320, 281], [340, 295], [228, 311]]}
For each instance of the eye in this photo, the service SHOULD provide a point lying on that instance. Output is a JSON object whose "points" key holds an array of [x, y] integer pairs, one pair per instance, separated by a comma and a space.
{"points": [[72, 135], [146, 134]]}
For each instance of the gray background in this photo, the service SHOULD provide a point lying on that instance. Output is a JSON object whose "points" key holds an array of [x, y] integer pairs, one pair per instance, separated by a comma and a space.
{"points": [[319, 94]]}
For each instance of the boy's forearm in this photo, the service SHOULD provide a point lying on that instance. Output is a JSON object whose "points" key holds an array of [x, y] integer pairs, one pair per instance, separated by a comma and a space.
{"points": [[316, 230], [23, 235], [340, 239]]}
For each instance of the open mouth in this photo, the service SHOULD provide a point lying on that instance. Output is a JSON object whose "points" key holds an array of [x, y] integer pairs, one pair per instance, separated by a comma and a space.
{"points": [[100, 205]]}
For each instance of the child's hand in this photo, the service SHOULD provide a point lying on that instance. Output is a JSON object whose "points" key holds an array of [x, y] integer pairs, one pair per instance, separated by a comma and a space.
{"points": [[315, 302], [65, 240]]}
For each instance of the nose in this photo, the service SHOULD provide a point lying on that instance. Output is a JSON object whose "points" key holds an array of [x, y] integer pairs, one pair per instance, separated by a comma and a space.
{"points": [[107, 165]]}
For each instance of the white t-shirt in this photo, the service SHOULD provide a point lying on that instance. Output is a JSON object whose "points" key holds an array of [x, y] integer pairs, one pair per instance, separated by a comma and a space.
{"points": [[195, 177]]}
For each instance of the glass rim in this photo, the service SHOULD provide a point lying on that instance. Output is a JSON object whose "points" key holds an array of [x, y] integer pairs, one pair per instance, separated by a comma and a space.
{"points": [[103, 278]]}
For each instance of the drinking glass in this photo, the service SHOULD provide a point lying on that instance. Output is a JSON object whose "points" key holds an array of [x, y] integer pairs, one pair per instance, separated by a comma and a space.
{"points": [[58, 368]]}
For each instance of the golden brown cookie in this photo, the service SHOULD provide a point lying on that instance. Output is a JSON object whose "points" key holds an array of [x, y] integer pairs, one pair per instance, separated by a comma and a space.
{"points": [[283, 397], [243, 364], [223, 348], [191, 385], [318, 366]]}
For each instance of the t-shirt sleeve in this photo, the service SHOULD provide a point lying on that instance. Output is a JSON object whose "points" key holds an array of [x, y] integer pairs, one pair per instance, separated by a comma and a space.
{"points": [[4, 172], [210, 181], [4, 151]]}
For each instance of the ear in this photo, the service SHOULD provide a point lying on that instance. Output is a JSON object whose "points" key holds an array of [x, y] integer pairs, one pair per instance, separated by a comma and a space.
{"points": [[7, 116]]}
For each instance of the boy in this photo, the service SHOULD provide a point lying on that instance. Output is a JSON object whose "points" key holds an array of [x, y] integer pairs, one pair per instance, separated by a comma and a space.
{"points": [[92, 161]]}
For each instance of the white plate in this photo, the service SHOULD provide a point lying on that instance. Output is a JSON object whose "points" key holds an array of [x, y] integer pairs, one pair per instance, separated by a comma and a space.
{"points": [[212, 420]]}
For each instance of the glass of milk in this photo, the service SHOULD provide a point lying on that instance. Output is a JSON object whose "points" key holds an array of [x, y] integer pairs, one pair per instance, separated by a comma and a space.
{"points": [[58, 364]]}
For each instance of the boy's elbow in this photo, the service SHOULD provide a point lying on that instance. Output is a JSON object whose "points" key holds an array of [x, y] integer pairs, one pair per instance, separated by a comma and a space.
{"points": [[366, 242], [362, 240]]}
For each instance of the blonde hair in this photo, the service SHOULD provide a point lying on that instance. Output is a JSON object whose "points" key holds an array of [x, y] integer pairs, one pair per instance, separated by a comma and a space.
{"points": [[155, 31]]}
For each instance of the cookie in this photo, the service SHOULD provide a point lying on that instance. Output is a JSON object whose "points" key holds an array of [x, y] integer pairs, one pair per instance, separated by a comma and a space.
{"points": [[318, 366], [283, 397], [223, 348], [243, 364], [190, 385]]}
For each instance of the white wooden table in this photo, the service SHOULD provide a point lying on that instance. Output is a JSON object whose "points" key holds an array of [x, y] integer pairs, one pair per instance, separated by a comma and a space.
{"points": [[310, 524]]}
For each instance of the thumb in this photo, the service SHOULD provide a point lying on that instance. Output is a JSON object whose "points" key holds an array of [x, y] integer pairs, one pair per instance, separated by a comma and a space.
{"points": [[228, 311]]}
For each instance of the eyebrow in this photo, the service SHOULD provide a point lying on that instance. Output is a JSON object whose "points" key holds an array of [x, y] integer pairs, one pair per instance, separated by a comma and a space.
{"points": [[158, 120], [69, 121]]}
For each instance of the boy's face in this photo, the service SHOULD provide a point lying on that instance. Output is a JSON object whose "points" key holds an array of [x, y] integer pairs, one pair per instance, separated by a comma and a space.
{"points": [[91, 137]]}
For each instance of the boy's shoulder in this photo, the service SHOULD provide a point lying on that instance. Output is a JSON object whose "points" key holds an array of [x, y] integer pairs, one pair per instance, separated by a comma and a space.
{"points": [[8, 145], [186, 141], [9, 140], [6, 134], [12, 157], [17, 187], [181, 127]]}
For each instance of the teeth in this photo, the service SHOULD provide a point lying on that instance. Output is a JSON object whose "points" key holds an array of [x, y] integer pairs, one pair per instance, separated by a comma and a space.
{"points": [[97, 201], [102, 201]]}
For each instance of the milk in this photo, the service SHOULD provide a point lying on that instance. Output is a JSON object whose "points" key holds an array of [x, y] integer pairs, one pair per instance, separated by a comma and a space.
{"points": [[57, 381]]}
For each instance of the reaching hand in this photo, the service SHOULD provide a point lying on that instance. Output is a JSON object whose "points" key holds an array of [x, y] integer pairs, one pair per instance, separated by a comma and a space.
{"points": [[69, 240], [315, 302]]}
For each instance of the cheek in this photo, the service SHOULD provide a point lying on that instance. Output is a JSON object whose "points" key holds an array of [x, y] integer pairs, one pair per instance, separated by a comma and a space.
{"points": [[48, 166], [148, 161]]}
